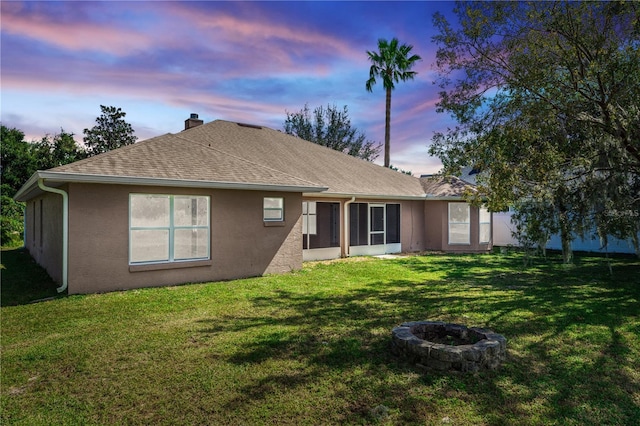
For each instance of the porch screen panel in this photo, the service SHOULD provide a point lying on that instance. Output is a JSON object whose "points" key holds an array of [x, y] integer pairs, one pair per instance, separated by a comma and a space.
{"points": [[377, 225], [327, 226], [393, 223], [358, 224]]}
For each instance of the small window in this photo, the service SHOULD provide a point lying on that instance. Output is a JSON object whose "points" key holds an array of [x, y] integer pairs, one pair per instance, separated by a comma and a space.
{"points": [[459, 223], [273, 209], [309, 218], [485, 226]]}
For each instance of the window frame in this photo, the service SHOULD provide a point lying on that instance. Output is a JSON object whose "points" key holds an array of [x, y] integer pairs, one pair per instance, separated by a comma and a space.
{"points": [[375, 233], [172, 229], [309, 211], [481, 223], [266, 209], [467, 223]]}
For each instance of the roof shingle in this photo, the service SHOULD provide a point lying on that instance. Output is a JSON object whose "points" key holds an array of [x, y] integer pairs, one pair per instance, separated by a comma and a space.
{"points": [[228, 152]]}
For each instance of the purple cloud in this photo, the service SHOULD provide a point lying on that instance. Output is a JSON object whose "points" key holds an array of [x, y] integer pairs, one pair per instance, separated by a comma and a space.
{"points": [[243, 61]]}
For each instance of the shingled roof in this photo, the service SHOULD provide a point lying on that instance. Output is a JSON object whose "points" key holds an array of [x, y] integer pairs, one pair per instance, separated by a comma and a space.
{"points": [[444, 187], [224, 154], [340, 173]]}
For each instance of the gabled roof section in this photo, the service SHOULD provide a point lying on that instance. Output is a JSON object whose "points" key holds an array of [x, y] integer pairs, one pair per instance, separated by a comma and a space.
{"points": [[342, 174], [225, 154], [177, 158], [172, 160], [445, 187]]}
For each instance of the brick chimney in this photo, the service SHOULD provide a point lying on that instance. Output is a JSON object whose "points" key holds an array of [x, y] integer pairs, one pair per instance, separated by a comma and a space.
{"points": [[192, 121]]}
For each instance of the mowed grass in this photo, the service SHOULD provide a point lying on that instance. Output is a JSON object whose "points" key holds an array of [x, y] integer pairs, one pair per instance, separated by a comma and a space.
{"points": [[312, 347]]}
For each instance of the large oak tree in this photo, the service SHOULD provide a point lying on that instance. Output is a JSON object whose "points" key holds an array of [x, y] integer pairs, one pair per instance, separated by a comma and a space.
{"points": [[546, 96]]}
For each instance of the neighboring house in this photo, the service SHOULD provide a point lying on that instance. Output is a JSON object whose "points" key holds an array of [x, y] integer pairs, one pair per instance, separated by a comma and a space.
{"points": [[503, 231], [225, 200]]}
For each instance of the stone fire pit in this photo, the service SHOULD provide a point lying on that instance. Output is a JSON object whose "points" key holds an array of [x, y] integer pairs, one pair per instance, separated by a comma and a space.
{"points": [[444, 346]]}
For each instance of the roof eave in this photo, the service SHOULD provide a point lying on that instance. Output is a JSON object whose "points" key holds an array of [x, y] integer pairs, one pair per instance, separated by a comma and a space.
{"points": [[146, 181], [421, 197], [444, 198]]}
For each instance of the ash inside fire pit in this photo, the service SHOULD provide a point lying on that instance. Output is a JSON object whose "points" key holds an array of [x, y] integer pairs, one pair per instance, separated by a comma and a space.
{"points": [[445, 346]]}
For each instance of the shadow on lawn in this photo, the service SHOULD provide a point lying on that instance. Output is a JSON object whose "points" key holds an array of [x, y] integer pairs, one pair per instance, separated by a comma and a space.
{"points": [[553, 372], [23, 280]]}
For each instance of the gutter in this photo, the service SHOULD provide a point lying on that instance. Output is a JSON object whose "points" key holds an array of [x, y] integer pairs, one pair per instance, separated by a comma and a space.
{"points": [[65, 231], [346, 225], [64, 177], [381, 197], [363, 195]]}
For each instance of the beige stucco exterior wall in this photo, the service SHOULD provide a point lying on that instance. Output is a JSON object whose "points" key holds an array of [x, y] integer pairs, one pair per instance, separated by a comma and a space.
{"points": [[437, 232], [412, 226], [435, 219], [241, 244], [43, 239]]}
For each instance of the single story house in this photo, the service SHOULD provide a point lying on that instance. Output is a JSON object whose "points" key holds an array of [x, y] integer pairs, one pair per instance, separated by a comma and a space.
{"points": [[226, 200]]}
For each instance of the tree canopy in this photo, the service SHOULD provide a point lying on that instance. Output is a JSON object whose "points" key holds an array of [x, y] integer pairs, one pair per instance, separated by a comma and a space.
{"points": [[546, 96], [110, 132], [57, 150], [331, 127], [20, 159], [392, 64]]}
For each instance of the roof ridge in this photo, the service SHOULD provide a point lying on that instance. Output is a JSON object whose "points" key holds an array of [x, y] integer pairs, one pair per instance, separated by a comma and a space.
{"points": [[208, 146]]}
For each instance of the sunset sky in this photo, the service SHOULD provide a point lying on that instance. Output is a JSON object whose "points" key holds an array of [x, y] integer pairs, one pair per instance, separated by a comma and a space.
{"points": [[240, 61]]}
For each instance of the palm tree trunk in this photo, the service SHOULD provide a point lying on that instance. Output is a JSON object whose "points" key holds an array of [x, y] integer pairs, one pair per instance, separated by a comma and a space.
{"points": [[387, 130]]}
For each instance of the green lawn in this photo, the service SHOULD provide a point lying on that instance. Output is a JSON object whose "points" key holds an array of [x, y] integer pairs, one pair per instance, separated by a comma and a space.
{"points": [[312, 347]]}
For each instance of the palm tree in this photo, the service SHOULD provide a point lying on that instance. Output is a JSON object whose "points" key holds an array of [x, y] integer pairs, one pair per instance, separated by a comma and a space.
{"points": [[393, 64]]}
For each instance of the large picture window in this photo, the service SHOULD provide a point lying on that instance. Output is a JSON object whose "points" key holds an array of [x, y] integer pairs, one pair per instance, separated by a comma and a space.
{"points": [[168, 228], [459, 223]]}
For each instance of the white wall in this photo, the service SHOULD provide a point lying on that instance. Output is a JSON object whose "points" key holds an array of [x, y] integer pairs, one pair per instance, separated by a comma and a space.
{"points": [[502, 228]]}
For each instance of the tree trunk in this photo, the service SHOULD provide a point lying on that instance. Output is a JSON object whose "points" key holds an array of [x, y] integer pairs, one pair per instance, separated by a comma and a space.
{"points": [[387, 130], [565, 236]]}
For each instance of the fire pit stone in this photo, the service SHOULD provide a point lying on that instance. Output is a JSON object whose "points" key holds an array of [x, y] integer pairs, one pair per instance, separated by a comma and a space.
{"points": [[445, 346]]}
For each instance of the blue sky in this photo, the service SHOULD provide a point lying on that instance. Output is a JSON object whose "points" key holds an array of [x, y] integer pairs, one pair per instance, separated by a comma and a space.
{"points": [[241, 61]]}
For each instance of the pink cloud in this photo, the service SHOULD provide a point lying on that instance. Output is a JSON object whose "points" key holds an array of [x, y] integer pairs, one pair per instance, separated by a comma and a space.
{"points": [[175, 91], [76, 36], [258, 44]]}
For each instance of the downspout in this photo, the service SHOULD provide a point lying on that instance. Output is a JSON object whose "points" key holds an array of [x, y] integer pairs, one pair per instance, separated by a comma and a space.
{"points": [[65, 231], [346, 225], [24, 224]]}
